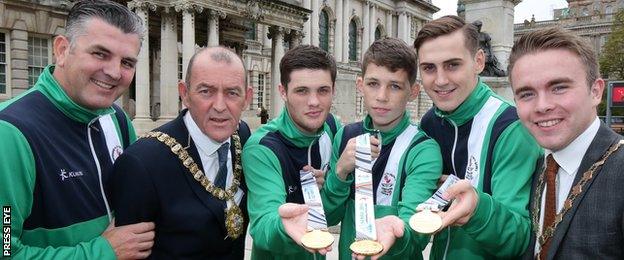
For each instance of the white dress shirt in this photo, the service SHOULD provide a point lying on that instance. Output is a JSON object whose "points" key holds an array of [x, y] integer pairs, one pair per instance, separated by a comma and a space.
{"points": [[207, 149], [569, 160]]}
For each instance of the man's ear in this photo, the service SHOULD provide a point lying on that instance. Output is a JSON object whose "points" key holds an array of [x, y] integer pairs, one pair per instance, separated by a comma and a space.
{"points": [[359, 85], [596, 91], [248, 96], [480, 61], [61, 48], [415, 90], [183, 92], [282, 91]]}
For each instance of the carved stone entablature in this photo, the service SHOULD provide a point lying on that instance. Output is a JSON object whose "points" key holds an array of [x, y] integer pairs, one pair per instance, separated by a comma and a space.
{"points": [[188, 7], [142, 5], [215, 15], [253, 11]]}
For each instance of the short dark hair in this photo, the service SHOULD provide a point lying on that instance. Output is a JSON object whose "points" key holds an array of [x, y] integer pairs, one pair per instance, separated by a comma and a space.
{"points": [[556, 38], [306, 57], [446, 25], [218, 54], [111, 12], [393, 54]]}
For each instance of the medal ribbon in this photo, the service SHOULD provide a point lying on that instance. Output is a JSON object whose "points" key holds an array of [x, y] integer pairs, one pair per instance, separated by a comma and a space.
{"points": [[312, 198], [364, 206], [437, 202]]}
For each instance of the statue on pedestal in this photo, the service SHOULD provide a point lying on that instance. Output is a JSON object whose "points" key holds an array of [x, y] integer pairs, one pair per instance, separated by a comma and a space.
{"points": [[491, 63]]}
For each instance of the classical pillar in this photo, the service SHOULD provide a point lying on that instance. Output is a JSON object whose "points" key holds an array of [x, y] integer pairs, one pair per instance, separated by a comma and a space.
{"points": [[142, 76], [408, 28], [188, 34], [277, 52], [168, 66], [213, 27], [338, 39], [373, 23], [389, 24], [497, 17], [346, 15], [402, 25], [367, 25], [314, 22], [306, 26], [266, 41], [294, 38]]}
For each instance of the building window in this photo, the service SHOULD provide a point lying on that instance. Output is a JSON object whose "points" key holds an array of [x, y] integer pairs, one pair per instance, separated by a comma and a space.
{"points": [[377, 33], [251, 32], [180, 67], [324, 30], [260, 90], [3, 64], [585, 12], [352, 40], [38, 58]]}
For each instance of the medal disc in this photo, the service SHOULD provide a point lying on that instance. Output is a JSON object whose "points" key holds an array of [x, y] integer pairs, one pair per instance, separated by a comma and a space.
{"points": [[366, 247], [317, 239], [425, 222]]}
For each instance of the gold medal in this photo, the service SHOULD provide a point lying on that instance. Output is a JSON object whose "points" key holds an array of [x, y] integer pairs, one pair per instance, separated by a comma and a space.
{"points": [[234, 221], [366, 247], [425, 222], [317, 239]]}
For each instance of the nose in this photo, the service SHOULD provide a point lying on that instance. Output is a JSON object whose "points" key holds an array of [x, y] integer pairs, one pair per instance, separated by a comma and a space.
{"points": [[543, 104], [313, 100], [382, 94], [441, 79], [113, 69], [219, 103]]}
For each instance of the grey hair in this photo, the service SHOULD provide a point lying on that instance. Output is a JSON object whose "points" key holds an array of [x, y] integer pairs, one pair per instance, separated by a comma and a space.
{"points": [[111, 12], [219, 54]]}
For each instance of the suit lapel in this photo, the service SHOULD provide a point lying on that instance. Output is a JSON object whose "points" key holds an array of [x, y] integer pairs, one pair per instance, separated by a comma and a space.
{"points": [[215, 206], [535, 199], [604, 138]]}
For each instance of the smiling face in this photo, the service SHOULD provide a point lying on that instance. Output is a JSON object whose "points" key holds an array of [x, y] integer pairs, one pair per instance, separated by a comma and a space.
{"points": [[385, 94], [449, 71], [99, 66], [308, 98], [216, 96], [554, 100]]}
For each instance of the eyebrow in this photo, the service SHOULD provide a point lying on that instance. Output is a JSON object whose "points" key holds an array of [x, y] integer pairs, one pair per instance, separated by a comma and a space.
{"points": [[549, 83], [104, 49], [444, 62]]}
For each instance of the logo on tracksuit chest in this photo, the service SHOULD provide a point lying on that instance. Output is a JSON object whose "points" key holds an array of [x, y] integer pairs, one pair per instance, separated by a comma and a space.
{"points": [[64, 174]]}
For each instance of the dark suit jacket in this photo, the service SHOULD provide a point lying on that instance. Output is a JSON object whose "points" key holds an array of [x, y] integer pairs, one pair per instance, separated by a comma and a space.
{"points": [[150, 184], [594, 227]]}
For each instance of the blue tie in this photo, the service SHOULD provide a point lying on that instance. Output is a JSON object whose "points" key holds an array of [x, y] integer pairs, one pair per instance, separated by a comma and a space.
{"points": [[222, 173]]}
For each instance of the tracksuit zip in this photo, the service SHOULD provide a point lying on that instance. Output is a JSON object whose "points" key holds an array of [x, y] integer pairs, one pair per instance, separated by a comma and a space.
{"points": [[99, 169]]}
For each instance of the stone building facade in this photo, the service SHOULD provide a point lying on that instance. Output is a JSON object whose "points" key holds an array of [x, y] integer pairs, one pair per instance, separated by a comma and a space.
{"points": [[261, 31], [591, 19]]}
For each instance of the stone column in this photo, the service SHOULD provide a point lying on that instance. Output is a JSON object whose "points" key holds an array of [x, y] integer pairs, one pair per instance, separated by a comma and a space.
{"points": [[338, 39], [314, 23], [142, 119], [294, 38], [408, 28], [346, 15], [402, 25], [498, 21], [277, 52], [367, 25], [188, 34], [307, 25], [373, 23], [168, 66], [19, 58], [213, 27], [389, 24]]}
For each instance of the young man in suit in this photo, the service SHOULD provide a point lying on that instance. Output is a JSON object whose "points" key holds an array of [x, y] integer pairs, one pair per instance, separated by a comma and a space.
{"points": [[186, 176], [408, 164], [298, 139], [482, 142], [577, 205]]}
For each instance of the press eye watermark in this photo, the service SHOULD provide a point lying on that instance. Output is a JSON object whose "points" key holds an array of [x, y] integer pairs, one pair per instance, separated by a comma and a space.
{"points": [[6, 230]]}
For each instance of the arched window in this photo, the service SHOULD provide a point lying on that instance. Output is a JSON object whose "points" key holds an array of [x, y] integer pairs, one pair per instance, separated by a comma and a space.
{"points": [[608, 9], [377, 33], [585, 12], [324, 30], [352, 40]]}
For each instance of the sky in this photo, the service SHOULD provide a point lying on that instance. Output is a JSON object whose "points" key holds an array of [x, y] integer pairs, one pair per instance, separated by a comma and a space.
{"points": [[543, 9]]}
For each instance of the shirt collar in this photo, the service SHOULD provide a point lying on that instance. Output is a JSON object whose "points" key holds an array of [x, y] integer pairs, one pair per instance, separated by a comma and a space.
{"points": [[202, 142], [568, 157]]}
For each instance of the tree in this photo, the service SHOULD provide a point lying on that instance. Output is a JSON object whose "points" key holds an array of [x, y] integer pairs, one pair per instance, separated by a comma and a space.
{"points": [[612, 58]]}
